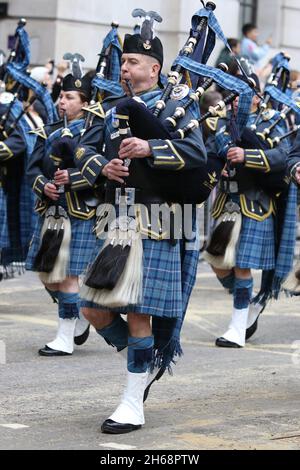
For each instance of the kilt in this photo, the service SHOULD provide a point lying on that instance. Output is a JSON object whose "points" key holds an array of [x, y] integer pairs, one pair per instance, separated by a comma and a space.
{"points": [[256, 248], [81, 248], [168, 278], [162, 295]]}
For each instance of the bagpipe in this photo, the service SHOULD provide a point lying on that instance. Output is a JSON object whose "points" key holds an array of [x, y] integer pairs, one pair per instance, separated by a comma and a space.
{"points": [[52, 258], [277, 79], [16, 69], [108, 68], [188, 50], [185, 186]]}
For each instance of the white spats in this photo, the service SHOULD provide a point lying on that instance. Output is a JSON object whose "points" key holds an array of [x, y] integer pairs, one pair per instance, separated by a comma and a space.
{"points": [[64, 340], [131, 410], [254, 311], [237, 328], [81, 326]]}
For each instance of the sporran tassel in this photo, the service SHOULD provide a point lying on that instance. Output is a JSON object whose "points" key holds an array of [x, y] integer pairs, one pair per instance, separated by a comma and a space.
{"points": [[221, 250], [118, 268], [53, 257]]}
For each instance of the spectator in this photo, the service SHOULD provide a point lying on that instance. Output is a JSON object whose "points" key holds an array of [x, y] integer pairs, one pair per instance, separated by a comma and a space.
{"points": [[249, 47]]}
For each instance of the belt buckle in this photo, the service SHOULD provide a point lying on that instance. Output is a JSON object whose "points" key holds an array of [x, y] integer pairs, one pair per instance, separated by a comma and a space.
{"points": [[233, 187], [130, 196], [125, 196]]}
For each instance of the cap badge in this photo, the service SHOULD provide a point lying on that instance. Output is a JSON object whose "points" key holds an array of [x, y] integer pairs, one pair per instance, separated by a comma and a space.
{"points": [[78, 83], [147, 46]]}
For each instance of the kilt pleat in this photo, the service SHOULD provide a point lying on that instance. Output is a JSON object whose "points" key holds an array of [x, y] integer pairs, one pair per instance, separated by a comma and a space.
{"points": [[256, 249]]}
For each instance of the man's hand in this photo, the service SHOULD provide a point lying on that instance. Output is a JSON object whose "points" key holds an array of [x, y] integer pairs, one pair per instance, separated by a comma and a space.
{"points": [[236, 155], [134, 148], [61, 177], [115, 170], [51, 192]]}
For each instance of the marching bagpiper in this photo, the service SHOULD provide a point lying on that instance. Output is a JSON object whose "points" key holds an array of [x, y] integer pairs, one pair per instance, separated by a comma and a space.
{"points": [[253, 216], [63, 243], [142, 269]]}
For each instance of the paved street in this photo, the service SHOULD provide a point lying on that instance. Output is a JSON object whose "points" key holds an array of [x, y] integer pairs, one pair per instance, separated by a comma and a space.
{"points": [[217, 399]]}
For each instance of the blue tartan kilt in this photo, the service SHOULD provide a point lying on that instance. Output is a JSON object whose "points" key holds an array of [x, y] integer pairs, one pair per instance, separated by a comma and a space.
{"points": [[81, 248], [168, 279], [4, 236], [256, 248]]}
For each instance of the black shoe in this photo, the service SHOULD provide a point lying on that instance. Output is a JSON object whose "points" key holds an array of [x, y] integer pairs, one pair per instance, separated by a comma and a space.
{"points": [[80, 340], [224, 343], [46, 351], [252, 329], [112, 427], [159, 374]]}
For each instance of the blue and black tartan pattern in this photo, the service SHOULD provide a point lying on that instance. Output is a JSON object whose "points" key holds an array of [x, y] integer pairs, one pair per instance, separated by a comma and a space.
{"points": [[4, 236], [162, 291], [20, 218], [102, 84], [75, 127], [280, 61], [282, 98], [27, 199], [81, 248], [214, 29], [285, 255], [110, 83], [37, 88], [225, 81], [256, 248], [22, 59], [113, 40]]}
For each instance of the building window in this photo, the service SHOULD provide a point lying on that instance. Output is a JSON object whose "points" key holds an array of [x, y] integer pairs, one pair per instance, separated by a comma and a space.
{"points": [[248, 11]]}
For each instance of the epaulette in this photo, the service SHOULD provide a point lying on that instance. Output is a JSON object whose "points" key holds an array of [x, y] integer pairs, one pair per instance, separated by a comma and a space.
{"points": [[40, 132], [46, 130], [212, 123], [96, 109]]}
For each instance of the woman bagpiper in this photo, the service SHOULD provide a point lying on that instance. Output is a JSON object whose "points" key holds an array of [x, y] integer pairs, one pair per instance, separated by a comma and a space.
{"points": [[63, 242]]}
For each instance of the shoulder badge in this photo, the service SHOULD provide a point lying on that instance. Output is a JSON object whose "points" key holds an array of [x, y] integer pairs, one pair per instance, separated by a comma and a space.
{"points": [[40, 132], [212, 123], [79, 153], [268, 114], [179, 92], [6, 98]]}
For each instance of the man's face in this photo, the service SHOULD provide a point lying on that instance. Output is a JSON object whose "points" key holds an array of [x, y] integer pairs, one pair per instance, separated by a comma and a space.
{"points": [[139, 69], [70, 104]]}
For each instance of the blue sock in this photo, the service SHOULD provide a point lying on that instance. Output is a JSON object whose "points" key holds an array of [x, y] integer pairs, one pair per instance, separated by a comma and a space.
{"points": [[228, 282], [116, 334], [140, 353], [68, 305], [242, 293]]}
